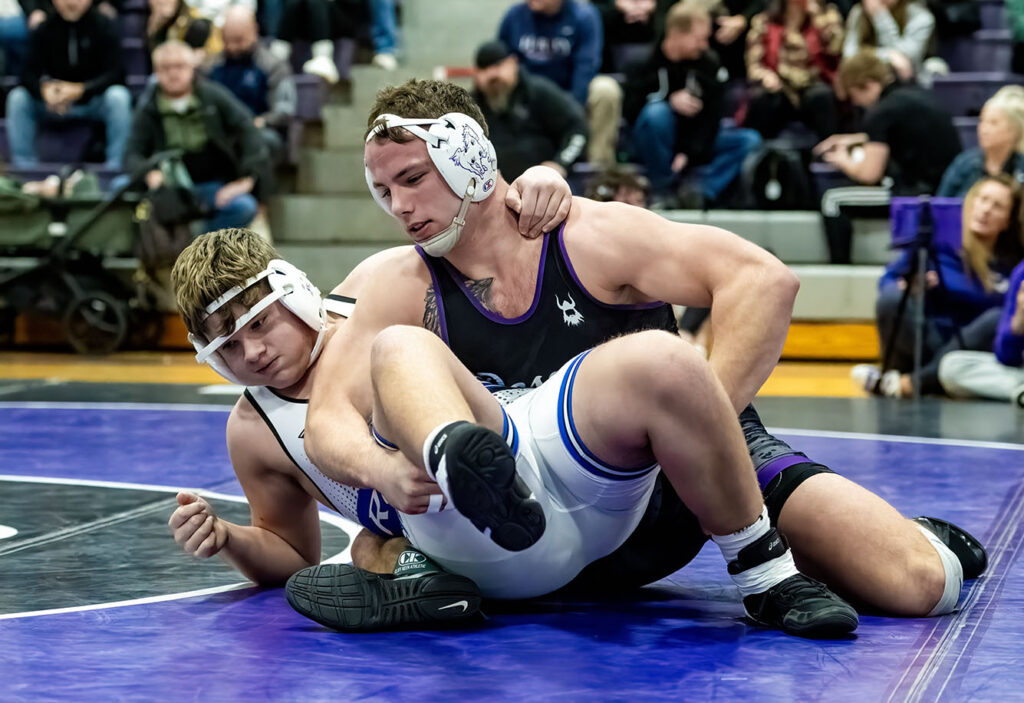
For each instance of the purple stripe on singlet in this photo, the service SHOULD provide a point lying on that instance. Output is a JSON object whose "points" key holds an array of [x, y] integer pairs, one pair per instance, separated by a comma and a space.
{"points": [[442, 321], [460, 281], [576, 278], [776, 466]]}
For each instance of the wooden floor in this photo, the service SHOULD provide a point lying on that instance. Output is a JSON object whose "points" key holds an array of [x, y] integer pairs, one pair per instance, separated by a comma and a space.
{"points": [[808, 379]]}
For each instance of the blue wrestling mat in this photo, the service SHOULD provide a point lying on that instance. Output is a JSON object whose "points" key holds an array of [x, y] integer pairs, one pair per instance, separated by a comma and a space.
{"points": [[97, 603]]}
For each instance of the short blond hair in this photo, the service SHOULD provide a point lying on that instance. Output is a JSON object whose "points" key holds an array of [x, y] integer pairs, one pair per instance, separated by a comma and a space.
{"points": [[683, 15], [864, 67], [213, 264], [1010, 101]]}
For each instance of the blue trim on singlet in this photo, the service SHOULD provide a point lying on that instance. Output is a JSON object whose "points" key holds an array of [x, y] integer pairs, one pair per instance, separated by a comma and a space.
{"points": [[571, 438], [442, 321], [510, 432], [382, 441]]}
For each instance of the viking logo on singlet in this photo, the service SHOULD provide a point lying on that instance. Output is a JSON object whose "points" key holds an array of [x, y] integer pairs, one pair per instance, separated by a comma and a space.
{"points": [[570, 315]]}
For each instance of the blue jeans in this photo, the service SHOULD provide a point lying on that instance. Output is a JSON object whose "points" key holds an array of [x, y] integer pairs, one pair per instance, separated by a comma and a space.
{"points": [[239, 211], [383, 26], [13, 41], [24, 113], [654, 137]]}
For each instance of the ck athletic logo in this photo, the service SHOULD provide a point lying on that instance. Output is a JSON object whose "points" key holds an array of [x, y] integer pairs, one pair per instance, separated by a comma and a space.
{"points": [[570, 315], [407, 558]]}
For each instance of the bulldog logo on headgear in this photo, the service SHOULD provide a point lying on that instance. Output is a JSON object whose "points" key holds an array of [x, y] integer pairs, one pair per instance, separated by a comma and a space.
{"points": [[472, 155]]}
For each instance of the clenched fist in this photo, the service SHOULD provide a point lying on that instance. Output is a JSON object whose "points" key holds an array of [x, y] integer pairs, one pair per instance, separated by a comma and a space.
{"points": [[196, 526]]}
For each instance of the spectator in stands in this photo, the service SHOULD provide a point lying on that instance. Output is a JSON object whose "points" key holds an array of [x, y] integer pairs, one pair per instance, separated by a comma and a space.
{"points": [[13, 36], [73, 69], [907, 144], [562, 40], [997, 374], [384, 32], [262, 81], [619, 184], [1000, 145], [319, 22], [630, 30], [532, 121], [975, 281], [223, 151], [175, 19], [674, 102], [793, 51], [731, 22], [899, 30]]}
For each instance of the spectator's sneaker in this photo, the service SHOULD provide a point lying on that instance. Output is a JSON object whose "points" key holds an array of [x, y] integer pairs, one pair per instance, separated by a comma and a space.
{"points": [[483, 485], [801, 606], [969, 552], [388, 62], [1017, 396], [350, 599], [322, 66], [871, 379]]}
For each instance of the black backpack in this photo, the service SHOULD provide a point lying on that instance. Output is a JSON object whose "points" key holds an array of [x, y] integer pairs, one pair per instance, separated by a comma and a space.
{"points": [[777, 179]]}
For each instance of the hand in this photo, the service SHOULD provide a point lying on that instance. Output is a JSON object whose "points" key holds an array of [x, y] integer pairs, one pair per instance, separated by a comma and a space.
{"points": [[542, 199], [196, 527], [229, 191], [72, 91], [901, 65], [405, 486], [52, 92], [634, 11], [730, 28], [685, 104], [772, 83], [873, 7], [35, 18], [837, 141], [258, 122], [154, 179], [679, 162], [107, 9]]}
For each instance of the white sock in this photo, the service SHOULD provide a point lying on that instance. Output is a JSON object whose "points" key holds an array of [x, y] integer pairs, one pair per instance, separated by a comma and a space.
{"points": [[760, 578], [436, 467], [954, 574], [323, 48]]}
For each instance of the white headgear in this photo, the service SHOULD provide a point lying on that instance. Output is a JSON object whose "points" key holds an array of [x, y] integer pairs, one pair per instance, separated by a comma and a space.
{"points": [[464, 156], [287, 284]]}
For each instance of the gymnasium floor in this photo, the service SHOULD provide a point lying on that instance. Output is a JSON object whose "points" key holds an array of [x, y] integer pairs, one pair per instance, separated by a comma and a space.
{"points": [[98, 604]]}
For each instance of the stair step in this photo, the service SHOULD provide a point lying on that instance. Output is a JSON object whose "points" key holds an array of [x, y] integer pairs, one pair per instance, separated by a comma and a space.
{"points": [[332, 219], [335, 171]]}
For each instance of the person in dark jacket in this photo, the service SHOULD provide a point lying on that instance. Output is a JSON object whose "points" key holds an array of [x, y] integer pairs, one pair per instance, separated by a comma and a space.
{"points": [[223, 151], [674, 102], [532, 120], [73, 69]]}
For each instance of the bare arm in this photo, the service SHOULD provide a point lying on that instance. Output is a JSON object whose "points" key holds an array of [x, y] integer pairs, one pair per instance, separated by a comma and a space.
{"points": [[628, 255]]}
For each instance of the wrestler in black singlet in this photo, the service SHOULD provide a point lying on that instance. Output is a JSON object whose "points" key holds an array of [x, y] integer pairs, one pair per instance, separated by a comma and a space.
{"points": [[563, 321]]}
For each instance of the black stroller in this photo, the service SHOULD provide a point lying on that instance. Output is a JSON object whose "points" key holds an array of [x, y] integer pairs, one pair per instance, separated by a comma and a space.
{"points": [[61, 273]]}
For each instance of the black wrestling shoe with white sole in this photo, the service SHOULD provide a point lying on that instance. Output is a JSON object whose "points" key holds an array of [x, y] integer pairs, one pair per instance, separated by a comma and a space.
{"points": [[797, 605], [968, 550], [347, 598], [483, 486]]}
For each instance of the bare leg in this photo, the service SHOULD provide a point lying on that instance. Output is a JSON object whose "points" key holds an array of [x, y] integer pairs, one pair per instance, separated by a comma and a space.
{"points": [[375, 553]]}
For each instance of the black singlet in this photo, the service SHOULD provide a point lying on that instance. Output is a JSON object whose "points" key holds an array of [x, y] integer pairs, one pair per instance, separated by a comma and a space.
{"points": [[563, 320]]}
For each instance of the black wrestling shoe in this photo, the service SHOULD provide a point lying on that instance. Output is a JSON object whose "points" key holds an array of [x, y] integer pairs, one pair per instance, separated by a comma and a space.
{"points": [[972, 556], [350, 599], [483, 486], [761, 444], [797, 605]]}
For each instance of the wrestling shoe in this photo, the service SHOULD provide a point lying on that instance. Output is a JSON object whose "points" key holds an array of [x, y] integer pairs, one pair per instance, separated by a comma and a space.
{"points": [[483, 485], [797, 605], [972, 556], [762, 445], [347, 598]]}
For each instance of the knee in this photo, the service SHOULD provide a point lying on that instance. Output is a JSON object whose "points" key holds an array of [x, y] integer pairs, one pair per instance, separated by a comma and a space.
{"points": [[18, 100], [244, 208], [749, 139], [604, 89], [393, 342], [117, 98], [662, 365], [927, 578]]}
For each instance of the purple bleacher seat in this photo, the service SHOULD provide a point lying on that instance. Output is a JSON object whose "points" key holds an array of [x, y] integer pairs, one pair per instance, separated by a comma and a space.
{"points": [[827, 176], [136, 84], [963, 94], [993, 14], [132, 25], [985, 50], [968, 129], [905, 214], [136, 58], [67, 141], [311, 93]]}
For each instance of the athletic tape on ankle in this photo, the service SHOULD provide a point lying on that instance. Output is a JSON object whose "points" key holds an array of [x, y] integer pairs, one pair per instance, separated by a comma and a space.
{"points": [[953, 570], [760, 578]]}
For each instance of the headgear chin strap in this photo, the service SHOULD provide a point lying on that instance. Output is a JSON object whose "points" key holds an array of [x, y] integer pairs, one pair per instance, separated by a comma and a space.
{"points": [[462, 154], [287, 284]]}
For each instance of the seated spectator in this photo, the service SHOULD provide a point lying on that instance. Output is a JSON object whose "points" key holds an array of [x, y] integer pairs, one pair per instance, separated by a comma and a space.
{"points": [[629, 28], [731, 22], [223, 151], [674, 102], [793, 51], [975, 281], [997, 374], [73, 69], [899, 30], [619, 184], [531, 120], [319, 22], [562, 41], [260, 80], [13, 36], [907, 144], [1000, 145], [176, 20]]}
